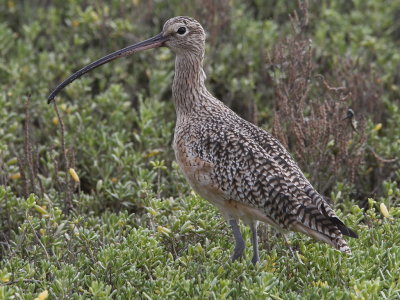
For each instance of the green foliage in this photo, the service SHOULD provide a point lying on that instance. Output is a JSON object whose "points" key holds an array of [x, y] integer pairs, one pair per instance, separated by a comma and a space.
{"points": [[137, 230], [178, 248]]}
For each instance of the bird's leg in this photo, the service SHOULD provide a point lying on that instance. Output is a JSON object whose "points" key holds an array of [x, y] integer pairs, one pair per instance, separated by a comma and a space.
{"points": [[254, 241], [239, 241]]}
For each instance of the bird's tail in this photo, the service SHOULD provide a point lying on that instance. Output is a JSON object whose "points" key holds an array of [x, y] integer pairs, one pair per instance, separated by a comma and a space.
{"points": [[336, 241], [312, 222], [343, 228]]}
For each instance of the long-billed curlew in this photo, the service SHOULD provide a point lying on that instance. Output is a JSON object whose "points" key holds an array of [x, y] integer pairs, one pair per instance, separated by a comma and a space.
{"points": [[237, 166]]}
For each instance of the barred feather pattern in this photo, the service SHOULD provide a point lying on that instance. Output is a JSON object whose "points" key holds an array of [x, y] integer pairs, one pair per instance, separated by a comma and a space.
{"points": [[226, 158]]}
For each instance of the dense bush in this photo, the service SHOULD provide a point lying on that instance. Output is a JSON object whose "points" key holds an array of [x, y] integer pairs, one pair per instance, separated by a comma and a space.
{"points": [[131, 227]]}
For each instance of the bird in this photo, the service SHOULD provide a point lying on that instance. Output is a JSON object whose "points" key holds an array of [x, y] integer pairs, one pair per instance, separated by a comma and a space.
{"points": [[238, 167]]}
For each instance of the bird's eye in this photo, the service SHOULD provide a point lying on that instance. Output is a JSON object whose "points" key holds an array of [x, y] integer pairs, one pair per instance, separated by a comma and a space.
{"points": [[181, 30]]}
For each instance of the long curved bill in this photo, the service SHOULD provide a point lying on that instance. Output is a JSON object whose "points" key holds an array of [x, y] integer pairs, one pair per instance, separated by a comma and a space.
{"points": [[154, 42]]}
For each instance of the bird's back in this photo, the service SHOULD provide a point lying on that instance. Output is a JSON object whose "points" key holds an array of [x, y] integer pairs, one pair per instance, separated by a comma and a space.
{"points": [[244, 170]]}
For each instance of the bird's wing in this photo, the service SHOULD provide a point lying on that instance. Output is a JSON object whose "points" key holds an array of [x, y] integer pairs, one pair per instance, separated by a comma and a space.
{"points": [[248, 173], [283, 158]]}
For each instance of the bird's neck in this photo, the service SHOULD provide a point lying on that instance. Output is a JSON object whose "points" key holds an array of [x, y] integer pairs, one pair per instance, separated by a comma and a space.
{"points": [[188, 89]]}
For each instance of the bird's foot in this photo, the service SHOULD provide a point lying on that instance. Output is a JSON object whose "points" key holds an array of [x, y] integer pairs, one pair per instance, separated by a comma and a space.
{"points": [[237, 252], [254, 240], [255, 259], [239, 242]]}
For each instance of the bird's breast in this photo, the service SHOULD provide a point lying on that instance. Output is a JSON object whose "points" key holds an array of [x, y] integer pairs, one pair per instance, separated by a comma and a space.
{"points": [[197, 171]]}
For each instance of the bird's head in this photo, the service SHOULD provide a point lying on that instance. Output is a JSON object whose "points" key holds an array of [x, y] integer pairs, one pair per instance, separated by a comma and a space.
{"points": [[183, 35]]}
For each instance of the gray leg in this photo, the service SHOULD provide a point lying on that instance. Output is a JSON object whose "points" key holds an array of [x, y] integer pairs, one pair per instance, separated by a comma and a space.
{"points": [[239, 241], [254, 241]]}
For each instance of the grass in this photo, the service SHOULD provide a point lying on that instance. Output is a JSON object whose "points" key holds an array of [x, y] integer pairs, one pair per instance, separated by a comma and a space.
{"points": [[180, 248], [136, 229]]}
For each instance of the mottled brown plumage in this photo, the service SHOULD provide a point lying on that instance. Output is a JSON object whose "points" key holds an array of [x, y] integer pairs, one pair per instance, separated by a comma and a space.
{"points": [[237, 166]]}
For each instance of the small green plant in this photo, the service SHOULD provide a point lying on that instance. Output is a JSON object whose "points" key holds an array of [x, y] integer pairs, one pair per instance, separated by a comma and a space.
{"points": [[129, 227]]}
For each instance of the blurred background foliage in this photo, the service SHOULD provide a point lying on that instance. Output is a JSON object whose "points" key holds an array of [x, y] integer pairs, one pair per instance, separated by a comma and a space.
{"points": [[263, 58]]}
